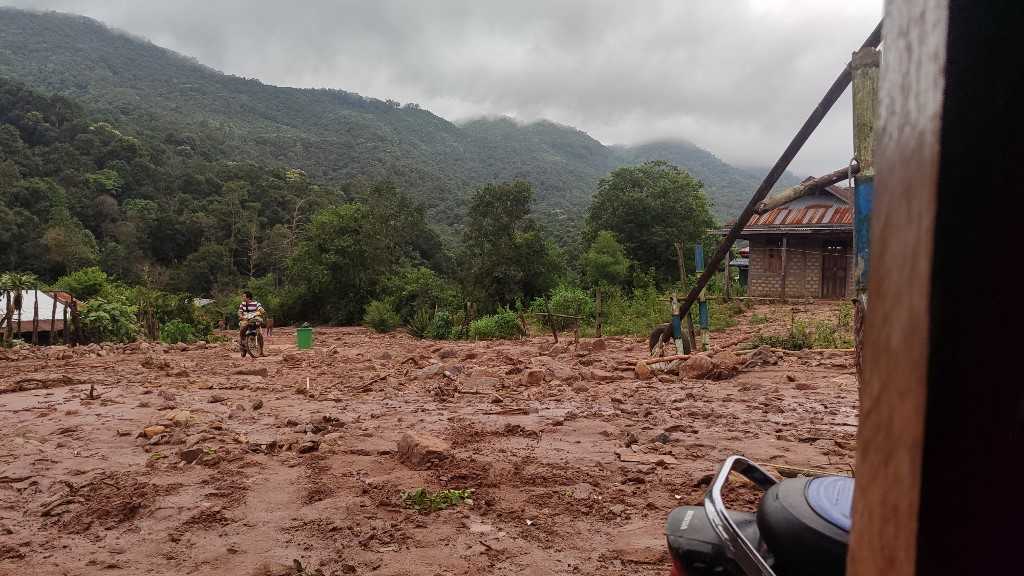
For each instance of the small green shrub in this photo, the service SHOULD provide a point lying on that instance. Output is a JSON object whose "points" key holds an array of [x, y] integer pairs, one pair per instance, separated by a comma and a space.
{"points": [[442, 327], [109, 321], [83, 284], [633, 314], [798, 338], [845, 320], [567, 301], [504, 325], [177, 331], [426, 501], [420, 323], [381, 316], [758, 319]]}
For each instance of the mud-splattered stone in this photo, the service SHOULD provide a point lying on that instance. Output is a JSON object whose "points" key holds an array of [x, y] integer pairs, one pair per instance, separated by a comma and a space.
{"points": [[533, 377], [420, 451]]}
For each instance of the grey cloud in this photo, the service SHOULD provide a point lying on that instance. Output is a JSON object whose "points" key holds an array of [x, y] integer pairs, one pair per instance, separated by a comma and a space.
{"points": [[737, 77]]}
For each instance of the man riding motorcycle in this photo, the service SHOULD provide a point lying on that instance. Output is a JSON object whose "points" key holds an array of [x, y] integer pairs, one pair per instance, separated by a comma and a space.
{"points": [[250, 311]]}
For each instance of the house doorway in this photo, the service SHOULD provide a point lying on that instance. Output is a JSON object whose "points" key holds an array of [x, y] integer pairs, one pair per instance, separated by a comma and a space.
{"points": [[833, 270]]}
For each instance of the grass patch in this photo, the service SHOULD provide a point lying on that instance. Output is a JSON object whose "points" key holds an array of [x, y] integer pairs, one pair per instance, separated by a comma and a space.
{"points": [[801, 336], [758, 319], [425, 501]]}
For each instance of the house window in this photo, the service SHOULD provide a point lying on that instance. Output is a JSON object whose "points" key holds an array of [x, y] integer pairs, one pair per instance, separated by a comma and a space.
{"points": [[773, 257]]}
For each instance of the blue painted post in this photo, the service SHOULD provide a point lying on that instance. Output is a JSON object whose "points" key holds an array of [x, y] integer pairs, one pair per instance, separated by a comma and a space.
{"points": [[702, 306], [864, 68]]}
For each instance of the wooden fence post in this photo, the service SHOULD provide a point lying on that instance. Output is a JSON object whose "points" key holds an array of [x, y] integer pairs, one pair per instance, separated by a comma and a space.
{"points": [[691, 340], [727, 281], [35, 317], [597, 311], [53, 319], [551, 320]]}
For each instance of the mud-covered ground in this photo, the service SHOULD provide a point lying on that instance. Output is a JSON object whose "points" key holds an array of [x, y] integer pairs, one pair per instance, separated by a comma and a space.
{"points": [[263, 462]]}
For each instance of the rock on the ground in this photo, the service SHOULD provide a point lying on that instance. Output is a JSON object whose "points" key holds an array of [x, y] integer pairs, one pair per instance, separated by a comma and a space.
{"points": [[642, 371], [603, 376], [599, 345], [533, 377], [180, 417], [429, 371], [478, 382], [190, 455], [308, 446], [557, 370], [253, 371], [804, 386], [420, 451], [151, 431]]}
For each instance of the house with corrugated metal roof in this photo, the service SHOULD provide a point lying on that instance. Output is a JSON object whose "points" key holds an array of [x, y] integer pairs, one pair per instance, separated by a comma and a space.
{"points": [[803, 249]]}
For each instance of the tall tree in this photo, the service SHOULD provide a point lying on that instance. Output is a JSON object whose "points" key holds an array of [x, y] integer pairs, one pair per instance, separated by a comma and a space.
{"points": [[505, 258], [649, 208]]}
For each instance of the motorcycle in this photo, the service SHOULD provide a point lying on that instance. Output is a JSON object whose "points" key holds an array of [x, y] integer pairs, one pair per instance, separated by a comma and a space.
{"points": [[801, 528], [252, 340]]}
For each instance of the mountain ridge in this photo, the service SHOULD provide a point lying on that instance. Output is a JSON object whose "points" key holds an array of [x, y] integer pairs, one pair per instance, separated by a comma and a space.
{"points": [[333, 135]]}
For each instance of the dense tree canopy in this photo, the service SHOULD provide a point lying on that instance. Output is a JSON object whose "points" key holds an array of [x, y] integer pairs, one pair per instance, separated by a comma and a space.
{"points": [[505, 258], [649, 208]]}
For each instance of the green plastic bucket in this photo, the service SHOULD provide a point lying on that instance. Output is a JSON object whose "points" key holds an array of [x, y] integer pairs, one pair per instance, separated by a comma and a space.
{"points": [[304, 338]]}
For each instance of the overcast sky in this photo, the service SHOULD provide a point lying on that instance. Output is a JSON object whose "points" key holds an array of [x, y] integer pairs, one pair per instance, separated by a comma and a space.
{"points": [[737, 77]]}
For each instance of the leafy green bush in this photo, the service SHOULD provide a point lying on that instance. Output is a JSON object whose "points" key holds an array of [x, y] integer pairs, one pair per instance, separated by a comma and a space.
{"points": [[798, 338], [415, 288], [421, 322], [177, 331], [381, 316], [109, 321], [83, 284], [425, 501], [633, 314], [503, 325], [442, 327], [567, 301], [845, 321]]}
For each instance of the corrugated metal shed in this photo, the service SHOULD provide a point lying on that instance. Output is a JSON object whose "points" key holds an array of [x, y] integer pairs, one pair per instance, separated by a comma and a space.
{"points": [[45, 310]]}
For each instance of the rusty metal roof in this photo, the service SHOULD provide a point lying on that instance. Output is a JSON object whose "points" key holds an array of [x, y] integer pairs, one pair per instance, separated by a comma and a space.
{"points": [[828, 210], [810, 215]]}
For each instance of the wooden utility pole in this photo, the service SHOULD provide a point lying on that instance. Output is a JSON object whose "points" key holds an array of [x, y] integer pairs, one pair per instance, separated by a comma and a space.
{"points": [[865, 66], [689, 337]]}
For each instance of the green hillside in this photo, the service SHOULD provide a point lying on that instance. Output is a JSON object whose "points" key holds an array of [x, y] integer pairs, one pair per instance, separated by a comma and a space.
{"points": [[333, 135]]}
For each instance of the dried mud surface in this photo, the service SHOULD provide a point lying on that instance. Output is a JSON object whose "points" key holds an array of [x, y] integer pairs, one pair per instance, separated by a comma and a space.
{"points": [[254, 470]]}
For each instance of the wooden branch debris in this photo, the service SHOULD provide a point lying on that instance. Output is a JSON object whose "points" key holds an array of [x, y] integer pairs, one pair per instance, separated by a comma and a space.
{"points": [[805, 188]]}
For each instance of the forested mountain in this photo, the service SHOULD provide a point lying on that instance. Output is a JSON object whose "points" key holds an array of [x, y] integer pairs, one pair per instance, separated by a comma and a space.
{"points": [[332, 135]]}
